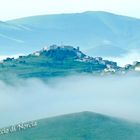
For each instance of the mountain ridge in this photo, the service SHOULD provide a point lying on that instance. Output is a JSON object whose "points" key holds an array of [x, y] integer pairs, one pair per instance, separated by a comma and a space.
{"points": [[89, 30], [85, 12]]}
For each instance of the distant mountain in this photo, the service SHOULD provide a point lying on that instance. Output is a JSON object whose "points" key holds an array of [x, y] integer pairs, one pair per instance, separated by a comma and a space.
{"points": [[10, 43], [79, 126], [56, 61], [98, 33]]}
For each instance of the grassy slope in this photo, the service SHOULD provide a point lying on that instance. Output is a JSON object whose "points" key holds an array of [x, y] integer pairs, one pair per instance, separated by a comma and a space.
{"points": [[42, 66], [79, 126]]}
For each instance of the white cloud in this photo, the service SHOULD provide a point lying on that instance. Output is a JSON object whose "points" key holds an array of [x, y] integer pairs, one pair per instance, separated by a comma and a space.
{"points": [[31, 99], [126, 58]]}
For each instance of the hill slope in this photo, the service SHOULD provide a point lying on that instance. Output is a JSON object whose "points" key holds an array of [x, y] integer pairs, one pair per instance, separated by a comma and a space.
{"points": [[54, 61], [114, 33], [79, 126]]}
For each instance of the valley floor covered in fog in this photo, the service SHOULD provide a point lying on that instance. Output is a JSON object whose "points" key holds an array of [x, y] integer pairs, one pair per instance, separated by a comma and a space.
{"points": [[31, 99]]}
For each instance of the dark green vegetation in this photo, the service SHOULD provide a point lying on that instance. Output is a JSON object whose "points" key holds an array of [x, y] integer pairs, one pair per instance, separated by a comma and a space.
{"points": [[79, 126], [54, 61]]}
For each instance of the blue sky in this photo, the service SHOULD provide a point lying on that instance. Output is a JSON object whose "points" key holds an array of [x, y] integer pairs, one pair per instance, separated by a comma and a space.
{"points": [[10, 9]]}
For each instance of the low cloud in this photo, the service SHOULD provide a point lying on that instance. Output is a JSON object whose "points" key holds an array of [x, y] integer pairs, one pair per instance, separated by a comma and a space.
{"points": [[126, 58], [24, 100]]}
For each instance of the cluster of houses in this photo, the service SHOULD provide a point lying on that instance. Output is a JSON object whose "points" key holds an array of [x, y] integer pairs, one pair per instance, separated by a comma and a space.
{"points": [[134, 67], [110, 66], [137, 66], [54, 47]]}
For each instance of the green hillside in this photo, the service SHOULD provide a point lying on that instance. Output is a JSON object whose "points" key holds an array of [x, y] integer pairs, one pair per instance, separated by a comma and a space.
{"points": [[79, 126], [56, 61]]}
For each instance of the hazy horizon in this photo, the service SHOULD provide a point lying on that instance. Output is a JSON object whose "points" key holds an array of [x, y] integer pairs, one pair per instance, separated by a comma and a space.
{"points": [[67, 13], [16, 8]]}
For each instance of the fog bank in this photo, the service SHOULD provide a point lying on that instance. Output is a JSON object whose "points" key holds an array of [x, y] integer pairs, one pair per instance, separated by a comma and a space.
{"points": [[31, 99]]}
